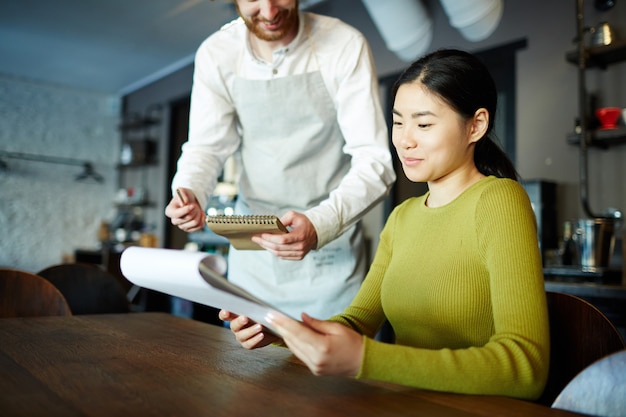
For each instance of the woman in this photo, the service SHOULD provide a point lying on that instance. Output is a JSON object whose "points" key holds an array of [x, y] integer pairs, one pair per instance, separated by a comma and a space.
{"points": [[457, 272]]}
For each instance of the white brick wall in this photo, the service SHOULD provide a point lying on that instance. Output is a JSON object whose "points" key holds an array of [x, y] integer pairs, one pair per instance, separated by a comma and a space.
{"points": [[44, 212]]}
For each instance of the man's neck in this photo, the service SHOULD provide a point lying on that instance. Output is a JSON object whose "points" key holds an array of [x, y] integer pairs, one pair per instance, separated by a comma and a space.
{"points": [[265, 49]]}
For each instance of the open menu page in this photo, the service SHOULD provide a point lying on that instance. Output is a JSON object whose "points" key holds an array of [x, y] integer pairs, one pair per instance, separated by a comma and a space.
{"points": [[194, 276]]}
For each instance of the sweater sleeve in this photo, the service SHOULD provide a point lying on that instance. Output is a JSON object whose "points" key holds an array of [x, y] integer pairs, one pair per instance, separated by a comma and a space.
{"points": [[513, 360], [365, 314]]}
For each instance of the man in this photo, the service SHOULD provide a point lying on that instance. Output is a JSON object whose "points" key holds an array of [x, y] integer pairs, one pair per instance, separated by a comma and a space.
{"points": [[296, 94]]}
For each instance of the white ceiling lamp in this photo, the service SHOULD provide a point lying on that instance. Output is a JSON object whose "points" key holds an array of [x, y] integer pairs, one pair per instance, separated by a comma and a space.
{"points": [[475, 19], [404, 25]]}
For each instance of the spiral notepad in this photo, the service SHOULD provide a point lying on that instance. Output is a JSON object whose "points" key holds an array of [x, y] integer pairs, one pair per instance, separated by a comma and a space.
{"points": [[239, 229]]}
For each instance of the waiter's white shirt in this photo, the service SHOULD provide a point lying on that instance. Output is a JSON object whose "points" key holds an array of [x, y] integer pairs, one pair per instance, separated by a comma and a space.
{"points": [[344, 60]]}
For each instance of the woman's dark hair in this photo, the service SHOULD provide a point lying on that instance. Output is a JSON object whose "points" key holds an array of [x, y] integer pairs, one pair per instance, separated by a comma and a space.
{"points": [[464, 82]]}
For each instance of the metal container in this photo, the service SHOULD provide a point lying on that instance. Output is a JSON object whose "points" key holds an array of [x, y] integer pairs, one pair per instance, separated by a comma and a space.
{"points": [[595, 239], [602, 35]]}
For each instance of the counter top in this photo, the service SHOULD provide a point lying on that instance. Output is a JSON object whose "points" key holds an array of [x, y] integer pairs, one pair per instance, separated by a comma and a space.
{"points": [[588, 289]]}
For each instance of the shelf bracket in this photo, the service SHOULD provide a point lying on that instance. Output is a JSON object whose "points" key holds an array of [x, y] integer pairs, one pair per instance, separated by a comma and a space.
{"points": [[88, 169]]}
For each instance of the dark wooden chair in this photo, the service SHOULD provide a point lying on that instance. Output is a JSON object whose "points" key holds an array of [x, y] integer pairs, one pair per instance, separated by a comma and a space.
{"points": [[23, 294], [88, 288], [580, 334], [599, 390]]}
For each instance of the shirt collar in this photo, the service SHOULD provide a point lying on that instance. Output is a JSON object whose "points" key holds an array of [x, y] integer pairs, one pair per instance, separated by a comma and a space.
{"points": [[280, 53]]}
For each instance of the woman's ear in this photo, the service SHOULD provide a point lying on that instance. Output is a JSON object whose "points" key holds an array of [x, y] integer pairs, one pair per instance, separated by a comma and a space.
{"points": [[479, 125]]}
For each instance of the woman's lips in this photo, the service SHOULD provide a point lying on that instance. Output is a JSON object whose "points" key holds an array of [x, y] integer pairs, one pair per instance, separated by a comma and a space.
{"points": [[411, 162]]}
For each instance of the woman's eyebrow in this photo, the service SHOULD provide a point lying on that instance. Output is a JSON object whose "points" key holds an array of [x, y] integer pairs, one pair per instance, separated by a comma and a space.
{"points": [[415, 114], [421, 113]]}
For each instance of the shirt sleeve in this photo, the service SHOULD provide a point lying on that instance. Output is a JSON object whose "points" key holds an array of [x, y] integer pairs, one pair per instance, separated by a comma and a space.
{"points": [[347, 67], [354, 88], [213, 135]]}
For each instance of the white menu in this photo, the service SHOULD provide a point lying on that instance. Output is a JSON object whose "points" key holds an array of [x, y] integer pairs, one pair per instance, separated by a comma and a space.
{"points": [[194, 276]]}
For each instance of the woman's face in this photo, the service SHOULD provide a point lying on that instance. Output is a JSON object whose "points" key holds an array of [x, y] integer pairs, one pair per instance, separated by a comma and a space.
{"points": [[432, 140]]}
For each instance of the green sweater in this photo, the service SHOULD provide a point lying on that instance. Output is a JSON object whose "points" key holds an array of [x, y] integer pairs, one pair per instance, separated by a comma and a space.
{"points": [[462, 286]]}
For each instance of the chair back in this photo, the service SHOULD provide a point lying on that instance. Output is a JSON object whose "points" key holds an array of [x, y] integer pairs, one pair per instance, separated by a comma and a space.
{"points": [[580, 334], [23, 294], [599, 390], [88, 288]]}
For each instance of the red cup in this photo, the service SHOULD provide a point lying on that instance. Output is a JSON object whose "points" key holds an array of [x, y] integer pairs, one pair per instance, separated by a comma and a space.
{"points": [[608, 117]]}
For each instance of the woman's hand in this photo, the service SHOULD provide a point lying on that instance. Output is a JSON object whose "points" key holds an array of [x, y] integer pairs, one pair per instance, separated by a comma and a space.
{"points": [[327, 348], [250, 334]]}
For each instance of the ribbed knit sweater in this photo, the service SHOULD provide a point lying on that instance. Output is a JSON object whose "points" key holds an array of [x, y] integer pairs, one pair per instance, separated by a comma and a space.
{"points": [[462, 286]]}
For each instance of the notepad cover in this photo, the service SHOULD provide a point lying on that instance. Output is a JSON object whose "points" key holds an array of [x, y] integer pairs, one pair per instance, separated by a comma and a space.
{"points": [[239, 229]]}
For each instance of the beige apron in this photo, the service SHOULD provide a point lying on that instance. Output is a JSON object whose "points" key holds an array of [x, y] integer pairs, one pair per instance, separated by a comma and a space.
{"points": [[292, 158]]}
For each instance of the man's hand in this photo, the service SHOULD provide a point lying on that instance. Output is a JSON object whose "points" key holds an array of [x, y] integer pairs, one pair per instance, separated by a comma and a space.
{"points": [[294, 245], [185, 211]]}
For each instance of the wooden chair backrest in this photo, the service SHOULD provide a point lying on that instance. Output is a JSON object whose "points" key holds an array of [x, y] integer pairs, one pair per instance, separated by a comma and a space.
{"points": [[88, 288], [23, 294], [580, 334]]}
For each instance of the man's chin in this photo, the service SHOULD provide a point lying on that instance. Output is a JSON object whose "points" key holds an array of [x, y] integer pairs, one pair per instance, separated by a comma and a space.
{"points": [[286, 23], [268, 35]]}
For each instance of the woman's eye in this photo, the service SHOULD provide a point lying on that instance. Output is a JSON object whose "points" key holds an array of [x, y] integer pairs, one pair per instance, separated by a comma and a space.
{"points": [[397, 123], [424, 125]]}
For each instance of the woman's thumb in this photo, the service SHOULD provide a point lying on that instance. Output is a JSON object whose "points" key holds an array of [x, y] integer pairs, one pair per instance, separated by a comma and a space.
{"points": [[320, 326]]}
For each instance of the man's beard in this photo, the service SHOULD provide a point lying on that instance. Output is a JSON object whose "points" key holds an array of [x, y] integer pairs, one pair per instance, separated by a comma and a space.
{"points": [[289, 19]]}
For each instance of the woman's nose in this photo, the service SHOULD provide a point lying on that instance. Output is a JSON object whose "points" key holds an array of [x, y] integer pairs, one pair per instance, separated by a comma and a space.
{"points": [[404, 140]]}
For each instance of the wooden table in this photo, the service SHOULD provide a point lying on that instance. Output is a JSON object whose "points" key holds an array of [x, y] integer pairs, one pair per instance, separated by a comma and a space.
{"points": [[156, 364]]}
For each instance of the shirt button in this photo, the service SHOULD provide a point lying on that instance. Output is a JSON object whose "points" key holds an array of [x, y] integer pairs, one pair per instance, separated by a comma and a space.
{"points": [[274, 71]]}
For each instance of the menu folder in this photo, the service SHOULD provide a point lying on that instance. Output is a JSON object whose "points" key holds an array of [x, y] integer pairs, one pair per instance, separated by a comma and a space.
{"points": [[194, 276]]}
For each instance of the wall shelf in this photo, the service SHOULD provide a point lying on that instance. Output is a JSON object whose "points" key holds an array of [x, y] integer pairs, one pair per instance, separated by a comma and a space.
{"points": [[586, 135], [137, 159], [602, 138], [138, 122], [601, 56]]}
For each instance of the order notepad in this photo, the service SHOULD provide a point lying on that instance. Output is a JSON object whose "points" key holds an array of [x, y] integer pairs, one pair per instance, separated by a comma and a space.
{"points": [[239, 229]]}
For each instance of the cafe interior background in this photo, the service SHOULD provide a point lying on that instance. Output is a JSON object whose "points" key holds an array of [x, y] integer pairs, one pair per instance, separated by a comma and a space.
{"points": [[93, 118]]}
